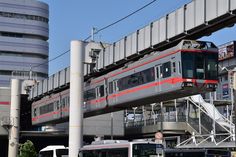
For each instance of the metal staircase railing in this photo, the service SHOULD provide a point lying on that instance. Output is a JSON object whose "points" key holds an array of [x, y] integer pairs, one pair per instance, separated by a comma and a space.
{"points": [[218, 123]]}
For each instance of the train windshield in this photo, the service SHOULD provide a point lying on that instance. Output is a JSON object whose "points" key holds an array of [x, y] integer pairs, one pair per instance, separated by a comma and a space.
{"points": [[203, 45], [200, 65], [147, 150]]}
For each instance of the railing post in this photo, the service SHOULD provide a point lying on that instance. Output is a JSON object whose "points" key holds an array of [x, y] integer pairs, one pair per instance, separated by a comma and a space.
{"points": [[153, 114], [176, 112], [144, 116], [199, 117], [162, 118], [187, 111]]}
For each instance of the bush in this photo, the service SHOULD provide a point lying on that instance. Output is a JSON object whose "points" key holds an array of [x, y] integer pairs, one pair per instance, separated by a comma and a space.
{"points": [[27, 150]]}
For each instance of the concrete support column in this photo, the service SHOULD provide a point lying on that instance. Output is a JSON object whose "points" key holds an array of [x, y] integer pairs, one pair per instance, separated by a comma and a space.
{"points": [[76, 97], [15, 118]]}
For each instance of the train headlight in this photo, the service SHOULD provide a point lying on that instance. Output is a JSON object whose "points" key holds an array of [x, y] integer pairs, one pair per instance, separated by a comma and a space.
{"points": [[187, 84]]}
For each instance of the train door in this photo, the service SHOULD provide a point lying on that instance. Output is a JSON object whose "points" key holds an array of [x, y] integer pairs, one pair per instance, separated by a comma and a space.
{"points": [[116, 89], [159, 74], [173, 70], [100, 90], [97, 99], [173, 66], [112, 90]]}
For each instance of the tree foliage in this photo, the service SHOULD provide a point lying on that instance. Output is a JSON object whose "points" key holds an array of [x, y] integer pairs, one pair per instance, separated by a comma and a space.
{"points": [[27, 150]]}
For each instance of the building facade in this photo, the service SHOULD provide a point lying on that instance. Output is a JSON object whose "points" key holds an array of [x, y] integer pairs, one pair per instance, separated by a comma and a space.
{"points": [[23, 39]]}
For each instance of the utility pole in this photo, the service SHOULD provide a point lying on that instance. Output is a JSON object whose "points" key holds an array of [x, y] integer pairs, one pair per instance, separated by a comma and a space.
{"points": [[14, 118], [76, 98]]}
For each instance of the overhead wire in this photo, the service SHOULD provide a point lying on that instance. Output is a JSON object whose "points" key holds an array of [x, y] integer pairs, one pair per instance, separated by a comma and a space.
{"points": [[99, 30], [51, 59], [123, 18]]}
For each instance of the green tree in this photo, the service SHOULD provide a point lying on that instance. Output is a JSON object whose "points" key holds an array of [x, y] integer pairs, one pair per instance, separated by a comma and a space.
{"points": [[27, 150]]}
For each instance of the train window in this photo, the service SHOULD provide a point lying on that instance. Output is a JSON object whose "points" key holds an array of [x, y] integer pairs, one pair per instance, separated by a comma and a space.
{"points": [[46, 109], [200, 66], [166, 69], [161, 71], [115, 85], [57, 105], [212, 67], [35, 113], [122, 83], [110, 87], [101, 90], [157, 72], [188, 65], [89, 94], [148, 75], [136, 79], [179, 67], [63, 102], [174, 67], [206, 45]]}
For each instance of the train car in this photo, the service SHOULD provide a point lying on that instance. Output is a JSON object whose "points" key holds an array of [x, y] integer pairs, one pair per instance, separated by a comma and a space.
{"points": [[189, 68], [186, 69], [51, 108]]}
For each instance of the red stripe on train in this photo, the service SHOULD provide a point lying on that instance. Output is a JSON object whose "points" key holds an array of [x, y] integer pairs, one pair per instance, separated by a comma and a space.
{"points": [[66, 109], [167, 81], [128, 91], [4, 103]]}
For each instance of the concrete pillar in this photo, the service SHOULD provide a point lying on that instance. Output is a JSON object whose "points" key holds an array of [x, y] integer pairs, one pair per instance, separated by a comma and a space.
{"points": [[76, 98], [15, 118]]}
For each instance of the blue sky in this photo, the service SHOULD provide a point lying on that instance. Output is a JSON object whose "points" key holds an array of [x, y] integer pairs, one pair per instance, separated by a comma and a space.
{"points": [[73, 19]]}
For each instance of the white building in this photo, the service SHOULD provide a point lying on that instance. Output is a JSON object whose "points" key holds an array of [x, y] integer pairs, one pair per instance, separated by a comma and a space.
{"points": [[23, 38]]}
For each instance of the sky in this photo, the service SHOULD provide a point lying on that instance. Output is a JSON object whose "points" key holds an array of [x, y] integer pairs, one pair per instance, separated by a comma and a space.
{"points": [[74, 19]]}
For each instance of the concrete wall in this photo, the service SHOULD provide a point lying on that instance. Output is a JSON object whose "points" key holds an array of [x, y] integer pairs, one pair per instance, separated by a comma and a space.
{"points": [[97, 125]]}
